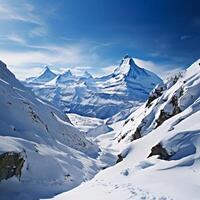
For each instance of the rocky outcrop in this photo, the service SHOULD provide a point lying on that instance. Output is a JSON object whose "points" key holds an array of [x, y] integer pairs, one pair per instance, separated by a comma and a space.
{"points": [[160, 151], [165, 115], [120, 158], [11, 164], [136, 135], [157, 92]]}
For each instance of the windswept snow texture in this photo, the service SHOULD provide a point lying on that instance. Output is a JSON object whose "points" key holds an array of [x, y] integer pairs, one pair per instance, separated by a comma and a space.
{"points": [[162, 161], [40, 144], [125, 88]]}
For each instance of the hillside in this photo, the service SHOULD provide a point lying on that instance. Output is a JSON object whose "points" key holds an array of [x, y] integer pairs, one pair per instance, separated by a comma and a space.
{"points": [[158, 147], [41, 152]]}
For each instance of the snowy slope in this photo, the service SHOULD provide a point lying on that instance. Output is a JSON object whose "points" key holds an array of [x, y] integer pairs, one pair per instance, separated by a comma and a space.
{"points": [[103, 97], [41, 152], [159, 145]]}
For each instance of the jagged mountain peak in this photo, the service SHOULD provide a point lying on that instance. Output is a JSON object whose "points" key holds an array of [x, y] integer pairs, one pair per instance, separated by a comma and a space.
{"points": [[47, 70], [45, 76], [131, 72], [128, 67], [86, 74], [67, 73]]}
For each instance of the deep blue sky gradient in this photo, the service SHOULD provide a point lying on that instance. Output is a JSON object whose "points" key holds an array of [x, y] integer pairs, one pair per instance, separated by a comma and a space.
{"points": [[165, 32]]}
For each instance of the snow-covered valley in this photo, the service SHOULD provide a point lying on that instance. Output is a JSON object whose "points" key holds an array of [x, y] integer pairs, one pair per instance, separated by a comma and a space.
{"points": [[151, 152], [159, 161]]}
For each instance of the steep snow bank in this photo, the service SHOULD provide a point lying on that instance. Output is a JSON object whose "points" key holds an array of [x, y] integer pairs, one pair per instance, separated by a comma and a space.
{"points": [[41, 152]]}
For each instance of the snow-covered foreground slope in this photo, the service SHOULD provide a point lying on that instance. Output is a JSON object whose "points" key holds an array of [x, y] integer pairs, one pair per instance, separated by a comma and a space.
{"points": [[125, 88], [159, 145], [41, 152]]}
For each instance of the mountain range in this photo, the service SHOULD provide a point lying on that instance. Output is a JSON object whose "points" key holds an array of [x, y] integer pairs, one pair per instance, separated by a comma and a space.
{"points": [[158, 145], [127, 87], [153, 154]]}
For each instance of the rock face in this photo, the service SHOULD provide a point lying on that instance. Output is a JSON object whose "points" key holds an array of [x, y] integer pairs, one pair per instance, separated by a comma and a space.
{"points": [[136, 135], [127, 87], [11, 164], [157, 92], [160, 151]]}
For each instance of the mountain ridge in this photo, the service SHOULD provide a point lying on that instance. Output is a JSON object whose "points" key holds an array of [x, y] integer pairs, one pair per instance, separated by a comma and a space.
{"points": [[101, 97]]}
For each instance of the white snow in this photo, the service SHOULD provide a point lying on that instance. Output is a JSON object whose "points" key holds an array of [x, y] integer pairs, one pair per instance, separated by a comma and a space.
{"points": [[167, 123], [57, 156], [139, 176], [103, 97]]}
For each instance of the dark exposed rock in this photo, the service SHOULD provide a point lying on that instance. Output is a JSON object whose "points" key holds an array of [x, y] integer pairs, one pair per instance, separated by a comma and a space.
{"points": [[160, 151], [136, 135], [120, 158], [126, 122], [157, 92], [164, 115], [123, 136], [11, 164]]}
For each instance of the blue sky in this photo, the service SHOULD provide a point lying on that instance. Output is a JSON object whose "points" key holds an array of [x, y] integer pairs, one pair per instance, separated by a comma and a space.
{"points": [[94, 35]]}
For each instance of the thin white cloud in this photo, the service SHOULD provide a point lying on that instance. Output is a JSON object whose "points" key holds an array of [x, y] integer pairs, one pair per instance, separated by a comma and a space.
{"points": [[185, 37], [25, 12], [69, 56], [160, 69], [16, 38], [38, 31], [20, 11]]}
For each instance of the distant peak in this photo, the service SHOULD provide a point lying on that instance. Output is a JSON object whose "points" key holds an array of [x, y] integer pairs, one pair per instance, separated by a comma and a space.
{"points": [[127, 56], [128, 60], [127, 64], [87, 74], [67, 73], [46, 69], [45, 76]]}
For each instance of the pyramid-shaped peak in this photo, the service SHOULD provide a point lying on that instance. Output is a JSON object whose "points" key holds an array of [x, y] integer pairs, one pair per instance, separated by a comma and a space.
{"points": [[67, 73], [127, 56], [127, 64], [45, 76], [87, 74], [47, 69], [128, 60]]}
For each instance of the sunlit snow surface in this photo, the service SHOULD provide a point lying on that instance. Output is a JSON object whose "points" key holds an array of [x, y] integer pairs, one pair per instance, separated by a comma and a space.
{"points": [[57, 155], [139, 177]]}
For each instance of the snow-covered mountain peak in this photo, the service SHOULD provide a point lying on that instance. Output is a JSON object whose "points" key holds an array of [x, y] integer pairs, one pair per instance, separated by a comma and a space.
{"points": [[86, 74], [126, 64], [46, 71], [45, 76], [67, 73], [128, 68], [127, 86]]}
